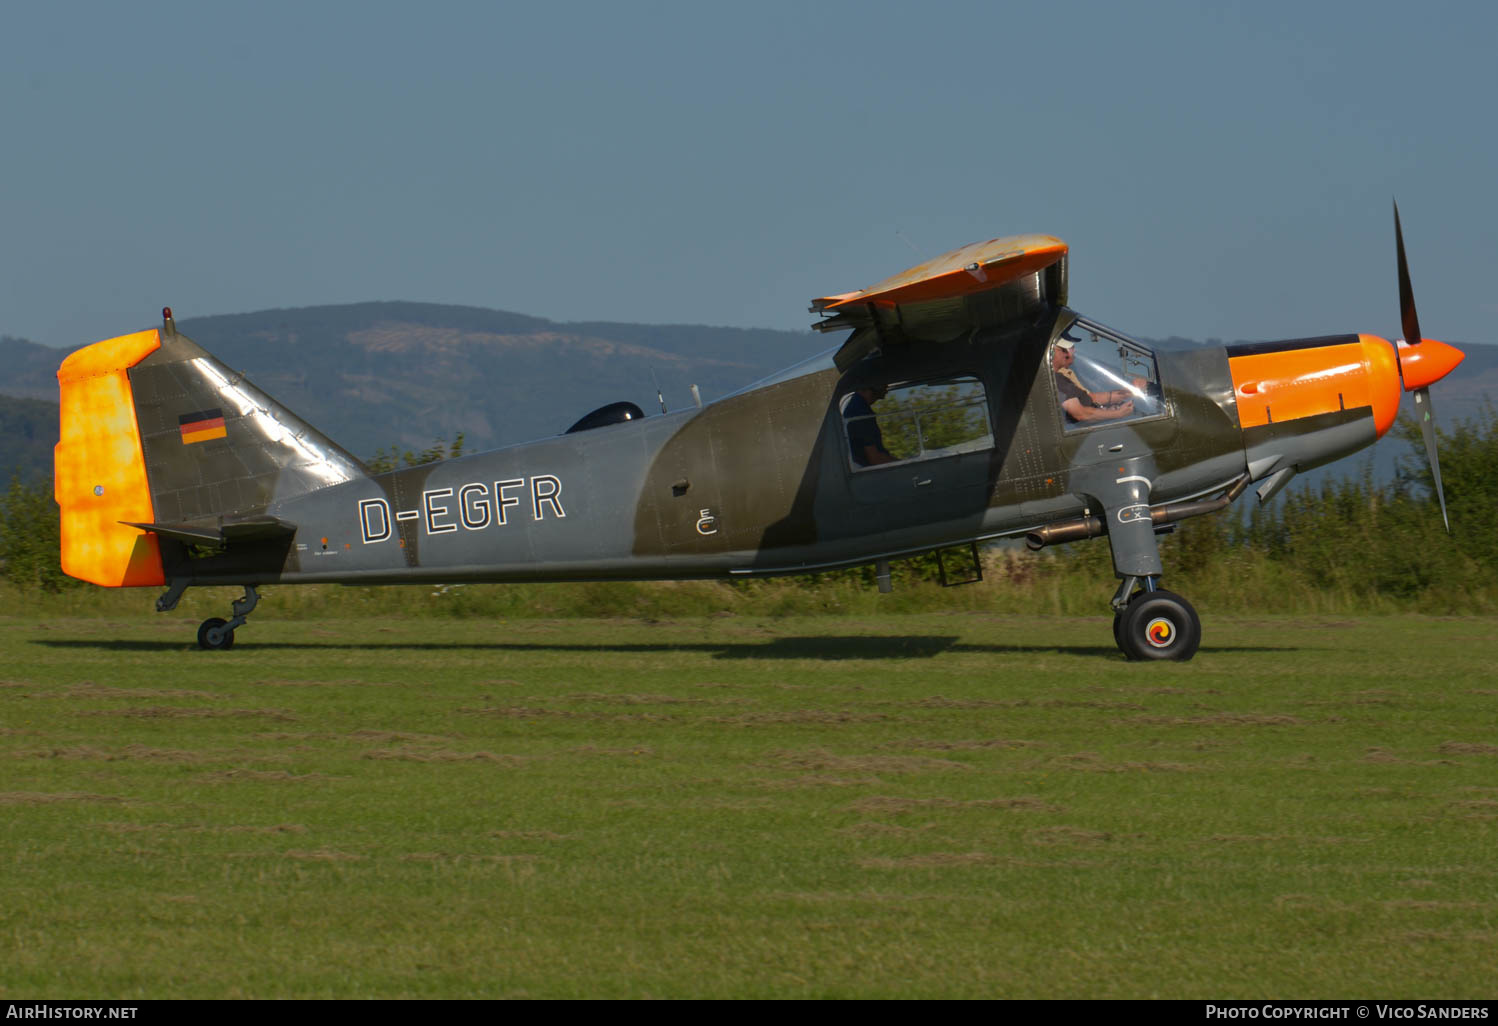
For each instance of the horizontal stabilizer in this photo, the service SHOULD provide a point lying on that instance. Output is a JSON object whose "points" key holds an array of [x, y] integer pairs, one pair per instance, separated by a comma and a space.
{"points": [[225, 532]]}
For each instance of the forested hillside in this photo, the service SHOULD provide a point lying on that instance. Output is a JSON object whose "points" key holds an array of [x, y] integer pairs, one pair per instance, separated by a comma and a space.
{"points": [[28, 431], [375, 374], [372, 375]]}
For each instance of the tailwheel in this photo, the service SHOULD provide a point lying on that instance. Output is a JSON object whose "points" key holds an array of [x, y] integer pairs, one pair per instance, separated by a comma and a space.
{"points": [[215, 633], [1158, 625]]}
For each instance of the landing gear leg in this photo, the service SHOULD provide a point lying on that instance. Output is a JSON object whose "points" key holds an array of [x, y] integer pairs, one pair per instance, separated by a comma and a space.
{"points": [[168, 600], [216, 633], [1128, 589]]}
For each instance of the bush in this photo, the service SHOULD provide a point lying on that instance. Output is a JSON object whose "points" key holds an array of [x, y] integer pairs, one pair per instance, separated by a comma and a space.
{"points": [[31, 538]]}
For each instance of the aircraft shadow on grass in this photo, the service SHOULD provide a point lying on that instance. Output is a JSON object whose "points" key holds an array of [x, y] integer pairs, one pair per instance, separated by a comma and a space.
{"points": [[825, 648]]}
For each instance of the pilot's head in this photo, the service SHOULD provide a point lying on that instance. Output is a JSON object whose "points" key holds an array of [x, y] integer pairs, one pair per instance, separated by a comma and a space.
{"points": [[1063, 353]]}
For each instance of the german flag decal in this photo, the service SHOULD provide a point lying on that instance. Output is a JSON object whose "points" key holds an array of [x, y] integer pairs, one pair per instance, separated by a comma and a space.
{"points": [[202, 427]]}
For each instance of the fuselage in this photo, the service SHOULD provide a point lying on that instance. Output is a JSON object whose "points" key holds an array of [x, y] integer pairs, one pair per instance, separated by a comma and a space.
{"points": [[764, 482]]}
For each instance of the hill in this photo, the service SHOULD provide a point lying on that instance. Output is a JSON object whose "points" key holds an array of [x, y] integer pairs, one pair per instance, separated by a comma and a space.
{"points": [[373, 375], [28, 431], [29, 370]]}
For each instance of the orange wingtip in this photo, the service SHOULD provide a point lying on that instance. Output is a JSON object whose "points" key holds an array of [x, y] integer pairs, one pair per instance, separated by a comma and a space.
{"points": [[973, 268]]}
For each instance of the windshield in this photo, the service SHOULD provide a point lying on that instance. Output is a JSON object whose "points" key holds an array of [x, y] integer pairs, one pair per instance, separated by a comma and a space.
{"points": [[1103, 377]]}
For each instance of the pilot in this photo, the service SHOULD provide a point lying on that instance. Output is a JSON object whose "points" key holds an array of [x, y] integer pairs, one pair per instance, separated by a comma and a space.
{"points": [[865, 440], [1078, 402]]}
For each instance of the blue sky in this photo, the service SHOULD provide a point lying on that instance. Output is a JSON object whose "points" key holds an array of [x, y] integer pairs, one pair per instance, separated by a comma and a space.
{"points": [[1219, 170]]}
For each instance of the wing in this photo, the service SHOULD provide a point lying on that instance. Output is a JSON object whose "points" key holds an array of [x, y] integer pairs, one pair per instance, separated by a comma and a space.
{"points": [[973, 268], [981, 285]]}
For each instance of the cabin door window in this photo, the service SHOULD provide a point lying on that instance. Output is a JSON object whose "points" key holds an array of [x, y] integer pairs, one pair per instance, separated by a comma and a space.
{"points": [[912, 422]]}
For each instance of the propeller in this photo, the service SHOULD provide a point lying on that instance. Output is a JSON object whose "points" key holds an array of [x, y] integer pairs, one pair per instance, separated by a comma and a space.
{"points": [[1421, 361]]}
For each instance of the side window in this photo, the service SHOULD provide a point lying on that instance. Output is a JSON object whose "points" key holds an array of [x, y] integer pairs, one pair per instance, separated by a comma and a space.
{"points": [[1102, 377], [911, 421]]}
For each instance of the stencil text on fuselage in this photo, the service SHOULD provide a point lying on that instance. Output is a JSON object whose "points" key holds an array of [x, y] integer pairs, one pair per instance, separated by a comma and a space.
{"points": [[475, 506]]}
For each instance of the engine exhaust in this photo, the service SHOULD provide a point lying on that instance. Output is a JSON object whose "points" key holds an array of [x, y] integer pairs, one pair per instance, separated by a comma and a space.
{"points": [[1080, 528]]}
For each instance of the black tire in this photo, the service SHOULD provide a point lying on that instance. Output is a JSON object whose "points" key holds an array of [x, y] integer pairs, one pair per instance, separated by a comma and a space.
{"points": [[211, 635], [1159, 625]]}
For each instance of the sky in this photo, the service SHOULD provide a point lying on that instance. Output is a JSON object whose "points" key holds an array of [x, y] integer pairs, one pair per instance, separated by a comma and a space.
{"points": [[1220, 170]]}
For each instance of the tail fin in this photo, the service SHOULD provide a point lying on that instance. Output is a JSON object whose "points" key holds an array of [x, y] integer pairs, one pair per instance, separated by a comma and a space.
{"points": [[160, 438]]}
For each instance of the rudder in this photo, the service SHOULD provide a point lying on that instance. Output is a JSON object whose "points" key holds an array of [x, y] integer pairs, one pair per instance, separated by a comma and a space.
{"points": [[99, 470]]}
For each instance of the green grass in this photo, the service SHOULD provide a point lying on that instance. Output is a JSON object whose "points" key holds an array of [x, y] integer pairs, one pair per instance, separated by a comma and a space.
{"points": [[960, 805]]}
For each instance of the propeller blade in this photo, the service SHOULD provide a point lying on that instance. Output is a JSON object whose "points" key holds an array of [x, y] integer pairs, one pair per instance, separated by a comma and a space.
{"points": [[1408, 369], [1407, 318], [1423, 412]]}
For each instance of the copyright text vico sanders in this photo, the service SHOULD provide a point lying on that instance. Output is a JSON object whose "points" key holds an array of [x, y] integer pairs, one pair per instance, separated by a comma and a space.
{"points": [[1375, 1011]]}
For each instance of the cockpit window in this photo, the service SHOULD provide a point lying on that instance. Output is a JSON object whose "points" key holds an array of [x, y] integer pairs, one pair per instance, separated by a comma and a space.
{"points": [[916, 421], [1103, 377]]}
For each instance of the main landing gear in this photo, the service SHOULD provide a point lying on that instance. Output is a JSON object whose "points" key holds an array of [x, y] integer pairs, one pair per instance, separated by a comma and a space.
{"points": [[1152, 623], [1148, 621], [217, 633]]}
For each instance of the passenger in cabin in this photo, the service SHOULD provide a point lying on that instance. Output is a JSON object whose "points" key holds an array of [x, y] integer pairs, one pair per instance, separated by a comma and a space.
{"points": [[1078, 402], [865, 440]]}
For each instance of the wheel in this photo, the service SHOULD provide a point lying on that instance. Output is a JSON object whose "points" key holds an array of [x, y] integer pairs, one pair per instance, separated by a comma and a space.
{"points": [[1159, 625], [215, 633]]}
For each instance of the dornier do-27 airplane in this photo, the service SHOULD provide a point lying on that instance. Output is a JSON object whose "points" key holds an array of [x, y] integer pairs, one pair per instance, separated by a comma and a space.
{"points": [[968, 403]]}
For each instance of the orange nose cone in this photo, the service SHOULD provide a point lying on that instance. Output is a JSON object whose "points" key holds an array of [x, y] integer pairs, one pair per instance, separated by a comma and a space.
{"points": [[1427, 362]]}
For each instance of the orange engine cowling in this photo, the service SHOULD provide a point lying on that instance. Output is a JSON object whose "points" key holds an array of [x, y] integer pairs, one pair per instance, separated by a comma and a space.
{"points": [[1278, 382]]}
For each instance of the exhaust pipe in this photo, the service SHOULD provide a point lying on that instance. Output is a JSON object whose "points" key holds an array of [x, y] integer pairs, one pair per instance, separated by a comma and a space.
{"points": [[1080, 528], [1063, 531]]}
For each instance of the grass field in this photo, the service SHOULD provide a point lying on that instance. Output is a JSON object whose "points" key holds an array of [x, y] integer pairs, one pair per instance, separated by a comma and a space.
{"points": [[956, 805]]}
